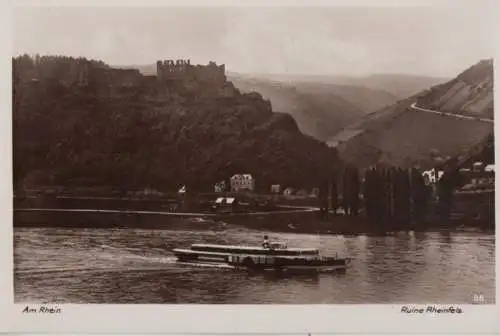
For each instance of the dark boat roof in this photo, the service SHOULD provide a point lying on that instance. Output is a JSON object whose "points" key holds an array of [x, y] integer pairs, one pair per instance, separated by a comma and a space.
{"points": [[251, 248]]}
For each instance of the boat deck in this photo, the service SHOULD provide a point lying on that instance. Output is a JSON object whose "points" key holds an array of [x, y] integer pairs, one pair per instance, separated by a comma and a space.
{"points": [[248, 248]]}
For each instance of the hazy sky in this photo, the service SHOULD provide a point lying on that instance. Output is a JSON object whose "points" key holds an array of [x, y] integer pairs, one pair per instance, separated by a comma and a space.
{"points": [[436, 41]]}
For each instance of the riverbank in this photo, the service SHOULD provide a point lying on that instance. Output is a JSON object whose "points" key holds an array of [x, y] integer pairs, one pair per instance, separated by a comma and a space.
{"points": [[469, 213], [304, 222]]}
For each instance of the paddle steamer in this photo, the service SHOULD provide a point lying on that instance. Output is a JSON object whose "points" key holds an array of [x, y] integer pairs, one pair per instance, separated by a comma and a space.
{"points": [[273, 256]]}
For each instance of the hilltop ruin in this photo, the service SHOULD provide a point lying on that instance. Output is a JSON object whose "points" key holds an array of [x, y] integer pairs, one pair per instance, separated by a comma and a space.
{"points": [[171, 76]]}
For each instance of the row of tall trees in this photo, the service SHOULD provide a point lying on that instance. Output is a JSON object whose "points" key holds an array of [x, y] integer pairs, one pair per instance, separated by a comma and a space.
{"points": [[392, 196]]}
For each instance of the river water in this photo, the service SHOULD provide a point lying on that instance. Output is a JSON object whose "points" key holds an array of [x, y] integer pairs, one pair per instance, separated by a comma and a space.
{"points": [[89, 265]]}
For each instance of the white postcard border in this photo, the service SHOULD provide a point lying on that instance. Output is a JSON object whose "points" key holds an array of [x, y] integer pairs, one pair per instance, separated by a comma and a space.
{"points": [[214, 319]]}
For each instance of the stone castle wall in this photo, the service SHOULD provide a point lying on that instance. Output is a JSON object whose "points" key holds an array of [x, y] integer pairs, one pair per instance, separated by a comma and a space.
{"points": [[74, 71], [183, 70], [171, 75], [66, 70]]}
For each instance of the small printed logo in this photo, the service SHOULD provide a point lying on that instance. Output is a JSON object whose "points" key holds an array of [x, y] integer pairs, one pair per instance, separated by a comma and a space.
{"points": [[478, 298]]}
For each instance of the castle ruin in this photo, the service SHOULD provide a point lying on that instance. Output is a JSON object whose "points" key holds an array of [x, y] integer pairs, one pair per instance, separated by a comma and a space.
{"points": [[183, 70], [171, 76]]}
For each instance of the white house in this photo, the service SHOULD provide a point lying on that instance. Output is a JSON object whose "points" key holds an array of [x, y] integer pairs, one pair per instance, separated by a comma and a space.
{"points": [[241, 182], [432, 176], [225, 204], [220, 187], [225, 200]]}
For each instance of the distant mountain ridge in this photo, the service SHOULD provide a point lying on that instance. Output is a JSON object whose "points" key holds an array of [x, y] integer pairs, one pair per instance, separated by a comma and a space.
{"points": [[398, 85], [324, 105], [400, 135]]}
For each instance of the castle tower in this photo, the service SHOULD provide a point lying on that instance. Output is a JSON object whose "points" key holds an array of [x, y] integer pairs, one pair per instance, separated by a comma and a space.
{"points": [[159, 70]]}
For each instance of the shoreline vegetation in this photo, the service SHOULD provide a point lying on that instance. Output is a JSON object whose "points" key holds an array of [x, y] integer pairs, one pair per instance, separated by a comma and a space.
{"points": [[289, 215]]}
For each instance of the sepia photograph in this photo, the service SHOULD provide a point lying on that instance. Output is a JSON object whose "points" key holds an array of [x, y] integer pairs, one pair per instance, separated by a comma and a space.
{"points": [[271, 155]]}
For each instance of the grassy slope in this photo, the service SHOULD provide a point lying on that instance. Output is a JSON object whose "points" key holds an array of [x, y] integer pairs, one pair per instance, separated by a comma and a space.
{"points": [[470, 93], [398, 135]]}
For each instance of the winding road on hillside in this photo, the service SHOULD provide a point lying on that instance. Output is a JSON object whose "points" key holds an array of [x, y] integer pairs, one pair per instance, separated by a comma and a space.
{"points": [[459, 116]]}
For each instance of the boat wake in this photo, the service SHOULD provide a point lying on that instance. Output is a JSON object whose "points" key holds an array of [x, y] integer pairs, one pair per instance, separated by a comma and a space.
{"points": [[207, 265], [200, 220], [107, 259], [72, 270]]}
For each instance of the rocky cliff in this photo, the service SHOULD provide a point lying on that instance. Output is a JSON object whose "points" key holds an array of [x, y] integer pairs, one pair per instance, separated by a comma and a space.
{"points": [[138, 133]]}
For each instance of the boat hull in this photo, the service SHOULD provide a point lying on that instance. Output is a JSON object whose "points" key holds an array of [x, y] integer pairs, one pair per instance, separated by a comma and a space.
{"points": [[262, 263]]}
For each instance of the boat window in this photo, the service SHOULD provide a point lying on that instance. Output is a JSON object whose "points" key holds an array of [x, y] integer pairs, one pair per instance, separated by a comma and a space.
{"points": [[250, 250], [278, 245]]}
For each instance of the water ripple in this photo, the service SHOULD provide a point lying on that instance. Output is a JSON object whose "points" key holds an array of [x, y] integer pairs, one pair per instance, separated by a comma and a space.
{"points": [[136, 266]]}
